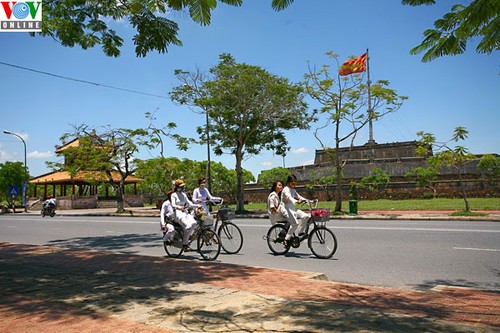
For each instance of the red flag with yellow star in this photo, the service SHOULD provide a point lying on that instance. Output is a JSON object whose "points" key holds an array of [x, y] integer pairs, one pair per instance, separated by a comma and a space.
{"points": [[352, 66]]}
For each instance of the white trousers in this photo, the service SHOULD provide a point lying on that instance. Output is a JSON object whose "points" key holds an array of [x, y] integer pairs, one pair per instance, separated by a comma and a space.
{"points": [[188, 223]]}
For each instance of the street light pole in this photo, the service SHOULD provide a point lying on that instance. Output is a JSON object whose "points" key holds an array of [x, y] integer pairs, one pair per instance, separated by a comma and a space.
{"points": [[25, 203]]}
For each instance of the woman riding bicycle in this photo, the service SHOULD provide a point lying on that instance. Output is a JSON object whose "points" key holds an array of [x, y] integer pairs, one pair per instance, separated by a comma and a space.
{"points": [[201, 194], [181, 202], [297, 218]]}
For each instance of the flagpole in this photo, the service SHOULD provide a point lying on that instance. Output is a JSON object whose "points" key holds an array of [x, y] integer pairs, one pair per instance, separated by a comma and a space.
{"points": [[370, 111]]}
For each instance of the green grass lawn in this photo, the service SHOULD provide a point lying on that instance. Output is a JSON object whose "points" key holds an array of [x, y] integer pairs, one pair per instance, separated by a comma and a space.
{"points": [[417, 204]]}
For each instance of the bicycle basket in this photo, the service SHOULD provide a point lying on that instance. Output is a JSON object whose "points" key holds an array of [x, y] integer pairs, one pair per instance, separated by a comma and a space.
{"points": [[209, 221], [226, 213], [320, 214]]}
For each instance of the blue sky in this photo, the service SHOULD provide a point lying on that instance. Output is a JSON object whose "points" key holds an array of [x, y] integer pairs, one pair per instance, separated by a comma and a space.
{"points": [[462, 90]]}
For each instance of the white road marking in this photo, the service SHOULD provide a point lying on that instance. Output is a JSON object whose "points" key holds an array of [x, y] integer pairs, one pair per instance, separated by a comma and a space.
{"points": [[476, 249]]}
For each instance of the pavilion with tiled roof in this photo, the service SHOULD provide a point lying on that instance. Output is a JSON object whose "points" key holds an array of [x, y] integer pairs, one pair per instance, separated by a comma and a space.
{"points": [[80, 190]]}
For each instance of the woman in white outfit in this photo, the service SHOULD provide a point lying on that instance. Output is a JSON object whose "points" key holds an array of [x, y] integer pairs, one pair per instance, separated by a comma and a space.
{"points": [[180, 203], [275, 206], [166, 214], [290, 198], [201, 194]]}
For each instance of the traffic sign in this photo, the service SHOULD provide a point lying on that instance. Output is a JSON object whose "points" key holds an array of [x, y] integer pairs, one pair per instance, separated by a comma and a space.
{"points": [[13, 190]]}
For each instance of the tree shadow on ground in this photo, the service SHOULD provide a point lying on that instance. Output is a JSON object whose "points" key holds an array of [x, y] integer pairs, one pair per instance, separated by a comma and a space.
{"points": [[53, 283], [110, 242]]}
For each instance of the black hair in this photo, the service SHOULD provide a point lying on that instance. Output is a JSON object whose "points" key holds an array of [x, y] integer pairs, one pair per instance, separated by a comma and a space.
{"points": [[291, 178], [273, 187], [201, 180]]}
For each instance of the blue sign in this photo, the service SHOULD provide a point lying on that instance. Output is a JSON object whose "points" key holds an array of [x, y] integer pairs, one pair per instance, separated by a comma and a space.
{"points": [[13, 190]]}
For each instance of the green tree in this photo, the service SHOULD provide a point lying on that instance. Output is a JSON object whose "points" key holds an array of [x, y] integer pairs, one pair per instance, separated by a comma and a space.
{"points": [[11, 173], [89, 23], [324, 183], [377, 180], [268, 177], [454, 157], [344, 101], [452, 32], [157, 175], [108, 150], [424, 177], [490, 165], [248, 108]]}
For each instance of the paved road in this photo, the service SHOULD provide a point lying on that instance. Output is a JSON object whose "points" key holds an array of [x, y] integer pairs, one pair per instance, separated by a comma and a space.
{"points": [[402, 254]]}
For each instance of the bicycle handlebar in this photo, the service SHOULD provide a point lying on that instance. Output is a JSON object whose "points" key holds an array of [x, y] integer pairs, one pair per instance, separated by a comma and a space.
{"points": [[309, 202], [217, 202]]}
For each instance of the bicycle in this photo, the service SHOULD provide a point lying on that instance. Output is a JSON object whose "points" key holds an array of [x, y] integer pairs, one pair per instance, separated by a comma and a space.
{"points": [[207, 241], [229, 233], [320, 240]]}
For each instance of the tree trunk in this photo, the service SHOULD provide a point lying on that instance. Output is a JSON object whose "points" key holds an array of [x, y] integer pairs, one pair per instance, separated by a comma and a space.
{"points": [[119, 197], [464, 193], [338, 169], [240, 205]]}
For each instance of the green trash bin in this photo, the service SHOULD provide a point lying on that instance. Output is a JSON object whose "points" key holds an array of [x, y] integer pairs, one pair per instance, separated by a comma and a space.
{"points": [[353, 207]]}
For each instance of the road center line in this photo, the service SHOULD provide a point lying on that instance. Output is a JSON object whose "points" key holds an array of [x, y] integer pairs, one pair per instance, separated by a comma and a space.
{"points": [[476, 249]]}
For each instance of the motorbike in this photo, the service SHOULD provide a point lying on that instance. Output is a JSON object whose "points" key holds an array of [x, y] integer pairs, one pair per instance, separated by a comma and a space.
{"points": [[48, 209]]}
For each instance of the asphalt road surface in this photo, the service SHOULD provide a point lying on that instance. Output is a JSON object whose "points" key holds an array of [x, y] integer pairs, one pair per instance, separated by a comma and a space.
{"points": [[392, 253]]}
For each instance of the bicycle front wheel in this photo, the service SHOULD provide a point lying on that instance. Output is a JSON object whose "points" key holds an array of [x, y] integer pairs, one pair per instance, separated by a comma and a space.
{"points": [[322, 242], [174, 247], [231, 237], [276, 239], [208, 244]]}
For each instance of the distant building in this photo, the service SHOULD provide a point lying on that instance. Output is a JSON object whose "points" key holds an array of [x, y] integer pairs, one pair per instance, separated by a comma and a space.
{"points": [[396, 160]]}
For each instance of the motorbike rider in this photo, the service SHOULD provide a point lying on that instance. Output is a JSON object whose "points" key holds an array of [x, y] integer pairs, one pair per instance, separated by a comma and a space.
{"points": [[180, 203], [50, 203], [297, 218]]}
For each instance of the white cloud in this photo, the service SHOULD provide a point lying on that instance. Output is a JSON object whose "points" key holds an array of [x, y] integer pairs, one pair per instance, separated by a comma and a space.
{"points": [[301, 150], [266, 164], [40, 154]]}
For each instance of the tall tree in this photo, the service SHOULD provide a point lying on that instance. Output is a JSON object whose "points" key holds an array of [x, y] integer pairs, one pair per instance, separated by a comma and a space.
{"points": [[448, 156], [344, 102], [249, 109]]}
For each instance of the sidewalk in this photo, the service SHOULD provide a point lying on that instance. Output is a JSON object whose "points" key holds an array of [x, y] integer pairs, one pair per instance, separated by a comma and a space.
{"points": [[49, 289]]}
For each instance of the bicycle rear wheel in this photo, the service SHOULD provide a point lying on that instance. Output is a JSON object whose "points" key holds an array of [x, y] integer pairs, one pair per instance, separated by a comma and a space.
{"points": [[173, 248], [276, 239], [231, 237], [322, 242], [208, 244]]}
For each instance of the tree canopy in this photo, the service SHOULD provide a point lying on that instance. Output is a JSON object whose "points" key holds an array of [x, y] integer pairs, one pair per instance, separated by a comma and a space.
{"points": [[452, 32], [89, 23], [249, 110]]}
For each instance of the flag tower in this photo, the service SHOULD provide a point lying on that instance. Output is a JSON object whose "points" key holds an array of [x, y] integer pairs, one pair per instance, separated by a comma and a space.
{"points": [[358, 65]]}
